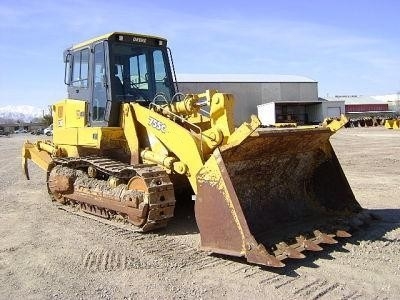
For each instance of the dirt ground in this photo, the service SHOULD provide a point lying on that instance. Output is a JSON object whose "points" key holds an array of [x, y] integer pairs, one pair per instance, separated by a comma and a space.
{"points": [[46, 252]]}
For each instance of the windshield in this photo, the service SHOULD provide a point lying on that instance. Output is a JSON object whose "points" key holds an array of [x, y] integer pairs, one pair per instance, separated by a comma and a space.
{"points": [[139, 72]]}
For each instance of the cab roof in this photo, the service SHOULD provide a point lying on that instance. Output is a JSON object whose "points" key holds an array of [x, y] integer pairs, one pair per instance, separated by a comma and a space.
{"points": [[107, 36]]}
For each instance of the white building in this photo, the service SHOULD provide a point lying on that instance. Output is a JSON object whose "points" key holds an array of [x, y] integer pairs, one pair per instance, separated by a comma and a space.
{"points": [[393, 101]]}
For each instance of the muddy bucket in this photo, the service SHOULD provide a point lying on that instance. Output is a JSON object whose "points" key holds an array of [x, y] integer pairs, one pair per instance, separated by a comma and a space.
{"points": [[278, 193]]}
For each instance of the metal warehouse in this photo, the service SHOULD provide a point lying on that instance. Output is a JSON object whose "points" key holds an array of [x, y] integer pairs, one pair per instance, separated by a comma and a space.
{"points": [[289, 98], [358, 104]]}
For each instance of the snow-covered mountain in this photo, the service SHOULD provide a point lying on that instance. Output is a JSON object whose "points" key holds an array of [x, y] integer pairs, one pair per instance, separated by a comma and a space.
{"points": [[23, 113], [388, 97]]}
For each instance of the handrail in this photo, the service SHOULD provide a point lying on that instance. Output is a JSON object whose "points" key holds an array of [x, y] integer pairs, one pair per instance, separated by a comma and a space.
{"points": [[173, 69], [159, 95]]}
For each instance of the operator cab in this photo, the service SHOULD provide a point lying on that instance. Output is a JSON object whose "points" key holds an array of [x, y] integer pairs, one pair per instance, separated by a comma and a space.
{"points": [[115, 68]]}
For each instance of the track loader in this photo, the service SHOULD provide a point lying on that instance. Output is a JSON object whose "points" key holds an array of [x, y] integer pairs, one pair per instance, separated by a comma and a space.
{"points": [[125, 141]]}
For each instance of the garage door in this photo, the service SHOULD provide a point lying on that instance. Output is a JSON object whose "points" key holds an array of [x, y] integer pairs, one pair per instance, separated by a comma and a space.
{"points": [[333, 112]]}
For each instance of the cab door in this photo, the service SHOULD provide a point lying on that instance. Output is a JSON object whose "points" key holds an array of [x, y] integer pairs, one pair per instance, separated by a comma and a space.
{"points": [[99, 104], [79, 84]]}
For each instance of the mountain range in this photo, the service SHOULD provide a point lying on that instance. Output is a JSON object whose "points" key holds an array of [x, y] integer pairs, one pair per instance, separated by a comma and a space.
{"points": [[22, 113]]}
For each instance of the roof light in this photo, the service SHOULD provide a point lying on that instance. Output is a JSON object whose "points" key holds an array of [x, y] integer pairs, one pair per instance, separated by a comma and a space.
{"points": [[120, 37]]}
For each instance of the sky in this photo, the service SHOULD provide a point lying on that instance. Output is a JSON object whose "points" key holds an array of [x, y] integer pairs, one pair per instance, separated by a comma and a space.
{"points": [[349, 47]]}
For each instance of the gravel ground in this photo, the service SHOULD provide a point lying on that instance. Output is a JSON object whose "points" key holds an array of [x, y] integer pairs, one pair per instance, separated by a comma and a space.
{"points": [[47, 252]]}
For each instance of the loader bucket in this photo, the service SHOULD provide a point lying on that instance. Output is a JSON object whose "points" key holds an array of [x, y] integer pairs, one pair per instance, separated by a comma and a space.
{"points": [[276, 194]]}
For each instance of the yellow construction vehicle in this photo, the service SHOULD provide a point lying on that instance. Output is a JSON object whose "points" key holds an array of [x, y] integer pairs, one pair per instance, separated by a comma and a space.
{"points": [[392, 124], [125, 140]]}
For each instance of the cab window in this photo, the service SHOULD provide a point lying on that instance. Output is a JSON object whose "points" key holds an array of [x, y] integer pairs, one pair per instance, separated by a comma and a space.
{"points": [[161, 78], [80, 68], [139, 76]]}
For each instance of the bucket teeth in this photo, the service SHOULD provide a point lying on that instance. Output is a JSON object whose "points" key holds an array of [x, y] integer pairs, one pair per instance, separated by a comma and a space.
{"points": [[293, 253], [287, 251], [259, 255], [342, 234], [284, 250], [308, 245], [325, 238], [272, 261]]}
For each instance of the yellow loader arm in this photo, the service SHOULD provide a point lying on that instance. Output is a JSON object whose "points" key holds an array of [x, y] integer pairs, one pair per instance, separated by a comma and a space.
{"points": [[180, 130]]}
